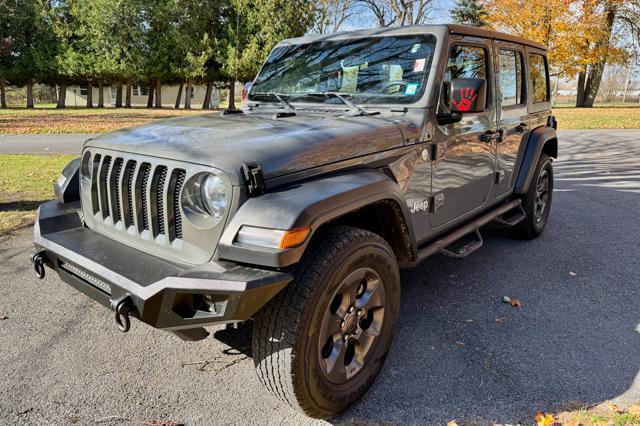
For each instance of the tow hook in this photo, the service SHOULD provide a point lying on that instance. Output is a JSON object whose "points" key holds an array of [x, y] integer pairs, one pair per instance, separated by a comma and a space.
{"points": [[122, 306], [39, 258]]}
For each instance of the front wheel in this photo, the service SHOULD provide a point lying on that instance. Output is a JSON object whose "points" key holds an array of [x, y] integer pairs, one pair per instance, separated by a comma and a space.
{"points": [[320, 343], [537, 201]]}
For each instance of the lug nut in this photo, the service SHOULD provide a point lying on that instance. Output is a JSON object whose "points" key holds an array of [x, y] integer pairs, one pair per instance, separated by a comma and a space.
{"points": [[359, 312], [342, 324], [350, 309], [345, 337]]}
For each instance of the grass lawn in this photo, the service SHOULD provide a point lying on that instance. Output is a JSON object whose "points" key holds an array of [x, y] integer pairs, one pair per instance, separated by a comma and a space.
{"points": [[16, 121], [25, 182], [610, 117]]}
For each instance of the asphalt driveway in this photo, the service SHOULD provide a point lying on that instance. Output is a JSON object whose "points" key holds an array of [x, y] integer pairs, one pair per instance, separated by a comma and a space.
{"points": [[459, 353]]}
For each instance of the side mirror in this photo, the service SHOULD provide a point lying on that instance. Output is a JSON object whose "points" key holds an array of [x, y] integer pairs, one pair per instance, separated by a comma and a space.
{"points": [[468, 95]]}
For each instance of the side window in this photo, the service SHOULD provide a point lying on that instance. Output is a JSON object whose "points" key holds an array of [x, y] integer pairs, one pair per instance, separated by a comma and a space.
{"points": [[511, 77], [539, 78], [464, 62]]}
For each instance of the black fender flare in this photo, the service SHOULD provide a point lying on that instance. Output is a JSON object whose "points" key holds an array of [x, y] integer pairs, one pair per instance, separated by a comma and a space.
{"points": [[540, 139], [309, 203]]}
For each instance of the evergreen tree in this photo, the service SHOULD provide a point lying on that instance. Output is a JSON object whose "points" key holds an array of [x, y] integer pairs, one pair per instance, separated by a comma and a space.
{"points": [[469, 12]]}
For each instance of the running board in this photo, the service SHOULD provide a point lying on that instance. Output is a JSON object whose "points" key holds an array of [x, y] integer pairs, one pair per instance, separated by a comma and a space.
{"points": [[443, 242], [512, 218], [465, 250]]}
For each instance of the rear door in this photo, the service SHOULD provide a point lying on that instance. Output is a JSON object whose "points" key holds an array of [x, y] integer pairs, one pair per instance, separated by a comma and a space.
{"points": [[514, 120], [464, 165]]}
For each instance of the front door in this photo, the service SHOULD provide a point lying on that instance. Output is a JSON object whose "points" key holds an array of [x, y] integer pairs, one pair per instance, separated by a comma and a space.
{"points": [[513, 118], [464, 165]]}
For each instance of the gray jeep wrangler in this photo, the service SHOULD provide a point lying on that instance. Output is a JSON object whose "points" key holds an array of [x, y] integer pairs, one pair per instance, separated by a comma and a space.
{"points": [[355, 154]]}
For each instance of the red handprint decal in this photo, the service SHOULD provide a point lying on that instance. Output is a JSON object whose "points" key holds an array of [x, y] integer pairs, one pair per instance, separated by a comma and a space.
{"points": [[467, 96]]}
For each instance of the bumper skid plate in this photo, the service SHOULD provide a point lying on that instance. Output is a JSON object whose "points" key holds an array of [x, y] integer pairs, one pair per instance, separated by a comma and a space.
{"points": [[163, 294]]}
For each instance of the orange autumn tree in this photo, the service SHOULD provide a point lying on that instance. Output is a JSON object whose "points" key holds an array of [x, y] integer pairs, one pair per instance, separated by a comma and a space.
{"points": [[578, 34]]}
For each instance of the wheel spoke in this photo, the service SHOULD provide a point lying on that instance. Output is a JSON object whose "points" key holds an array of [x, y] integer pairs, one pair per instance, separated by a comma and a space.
{"points": [[373, 296], [352, 283], [357, 361], [334, 363], [330, 327]]}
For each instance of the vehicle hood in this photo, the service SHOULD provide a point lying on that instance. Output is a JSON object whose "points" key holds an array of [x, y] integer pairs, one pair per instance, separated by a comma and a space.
{"points": [[280, 145]]}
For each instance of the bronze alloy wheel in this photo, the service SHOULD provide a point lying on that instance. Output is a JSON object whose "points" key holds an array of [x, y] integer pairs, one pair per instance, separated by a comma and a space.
{"points": [[351, 324]]}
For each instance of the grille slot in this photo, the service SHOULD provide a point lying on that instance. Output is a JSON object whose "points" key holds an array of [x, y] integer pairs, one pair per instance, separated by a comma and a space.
{"points": [[114, 200], [104, 187], [95, 168], [173, 209], [157, 200], [142, 184], [128, 209]]}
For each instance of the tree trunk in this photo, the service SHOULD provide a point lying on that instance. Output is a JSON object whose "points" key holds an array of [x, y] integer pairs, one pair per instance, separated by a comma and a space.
{"points": [[158, 93], [100, 94], [150, 98], [127, 101], [187, 95], [580, 88], [596, 70], [30, 94], [119, 94], [207, 96], [178, 97], [90, 94], [62, 96], [232, 95], [3, 94]]}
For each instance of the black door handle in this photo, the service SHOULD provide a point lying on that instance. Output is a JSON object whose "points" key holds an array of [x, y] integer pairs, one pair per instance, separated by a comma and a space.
{"points": [[522, 127], [491, 135]]}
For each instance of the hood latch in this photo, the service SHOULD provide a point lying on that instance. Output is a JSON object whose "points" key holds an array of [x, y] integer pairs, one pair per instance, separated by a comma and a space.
{"points": [[253, 176]]}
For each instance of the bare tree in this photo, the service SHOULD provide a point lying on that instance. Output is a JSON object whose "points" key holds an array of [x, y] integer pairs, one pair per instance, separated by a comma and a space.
{"points": [[399, 12], [331, 14], [613, 82]]}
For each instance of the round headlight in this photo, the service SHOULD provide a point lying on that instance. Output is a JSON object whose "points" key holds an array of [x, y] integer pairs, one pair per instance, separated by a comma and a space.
{"points": [[214, 194]]}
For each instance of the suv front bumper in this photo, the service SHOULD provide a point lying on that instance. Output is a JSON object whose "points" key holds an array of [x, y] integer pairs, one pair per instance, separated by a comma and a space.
{"points": [[162, 294]]}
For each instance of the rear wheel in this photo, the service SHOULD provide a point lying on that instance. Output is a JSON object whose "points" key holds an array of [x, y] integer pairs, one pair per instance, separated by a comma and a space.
{"points": [[320, 343], [537, 201]]}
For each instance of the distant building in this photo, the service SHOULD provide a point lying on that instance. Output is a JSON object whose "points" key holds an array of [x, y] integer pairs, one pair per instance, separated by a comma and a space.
{"points": [[77, 95]]}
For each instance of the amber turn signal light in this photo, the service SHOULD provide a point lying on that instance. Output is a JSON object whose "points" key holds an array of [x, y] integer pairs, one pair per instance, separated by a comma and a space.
{"points": [[294, 237]]}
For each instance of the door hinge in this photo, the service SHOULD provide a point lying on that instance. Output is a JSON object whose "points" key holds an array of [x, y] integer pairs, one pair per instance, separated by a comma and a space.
{"points": [[437, 201], [438, 151], [254, 179]]}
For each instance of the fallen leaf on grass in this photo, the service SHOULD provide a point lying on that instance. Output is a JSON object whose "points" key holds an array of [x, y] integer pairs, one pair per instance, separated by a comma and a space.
{"points": [[513, 302], [545, 419], [613, 407]]}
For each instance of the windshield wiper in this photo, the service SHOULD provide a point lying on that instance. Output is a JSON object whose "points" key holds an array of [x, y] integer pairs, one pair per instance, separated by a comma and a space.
{"points": [[347, 102], [279, 97]]}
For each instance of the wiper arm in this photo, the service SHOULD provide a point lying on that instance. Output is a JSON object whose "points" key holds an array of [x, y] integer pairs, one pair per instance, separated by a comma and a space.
{"points": [[279, 97], [347, 102]]}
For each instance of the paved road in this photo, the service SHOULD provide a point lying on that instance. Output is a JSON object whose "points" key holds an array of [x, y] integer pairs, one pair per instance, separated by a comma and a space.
{"points": [[43, 144], [459, 352]]}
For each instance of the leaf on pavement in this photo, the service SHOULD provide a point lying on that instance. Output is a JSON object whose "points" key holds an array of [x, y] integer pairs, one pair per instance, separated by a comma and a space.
{"points": [[452, 423], [634, 409], [545, 419]]}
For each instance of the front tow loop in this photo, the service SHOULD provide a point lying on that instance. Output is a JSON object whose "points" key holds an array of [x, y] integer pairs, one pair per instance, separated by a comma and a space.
{"points": [[39, 258], [122, 306]]}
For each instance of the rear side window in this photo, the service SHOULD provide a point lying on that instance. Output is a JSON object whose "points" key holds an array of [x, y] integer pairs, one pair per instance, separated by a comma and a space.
{"points": [[464, 62], [511, 77], [539, 78]]}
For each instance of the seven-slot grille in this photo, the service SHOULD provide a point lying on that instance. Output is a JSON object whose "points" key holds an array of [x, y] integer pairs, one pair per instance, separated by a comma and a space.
{"points": [[139, 195]]}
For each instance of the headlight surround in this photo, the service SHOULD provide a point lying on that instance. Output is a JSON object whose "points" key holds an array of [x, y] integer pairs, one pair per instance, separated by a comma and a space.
{"points": [[205, 199]]}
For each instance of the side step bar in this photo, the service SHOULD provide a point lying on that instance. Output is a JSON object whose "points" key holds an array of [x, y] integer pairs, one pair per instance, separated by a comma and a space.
{"points": [[443, 242]]}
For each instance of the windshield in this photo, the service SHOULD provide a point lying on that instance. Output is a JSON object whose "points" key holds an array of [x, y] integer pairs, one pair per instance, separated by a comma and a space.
{"points": [[376, 70]]}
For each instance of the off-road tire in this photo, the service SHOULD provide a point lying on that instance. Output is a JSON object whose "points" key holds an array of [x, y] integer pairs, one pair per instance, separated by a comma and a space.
{"points": [[286, 331], [534, 224]]}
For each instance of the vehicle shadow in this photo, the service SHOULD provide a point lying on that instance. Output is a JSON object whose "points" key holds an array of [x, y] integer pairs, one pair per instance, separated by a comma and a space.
{"points": [[461, 353]]}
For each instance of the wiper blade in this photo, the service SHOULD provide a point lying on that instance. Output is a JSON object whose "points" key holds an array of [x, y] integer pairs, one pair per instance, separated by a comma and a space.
{"points": [[279, 98]]}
